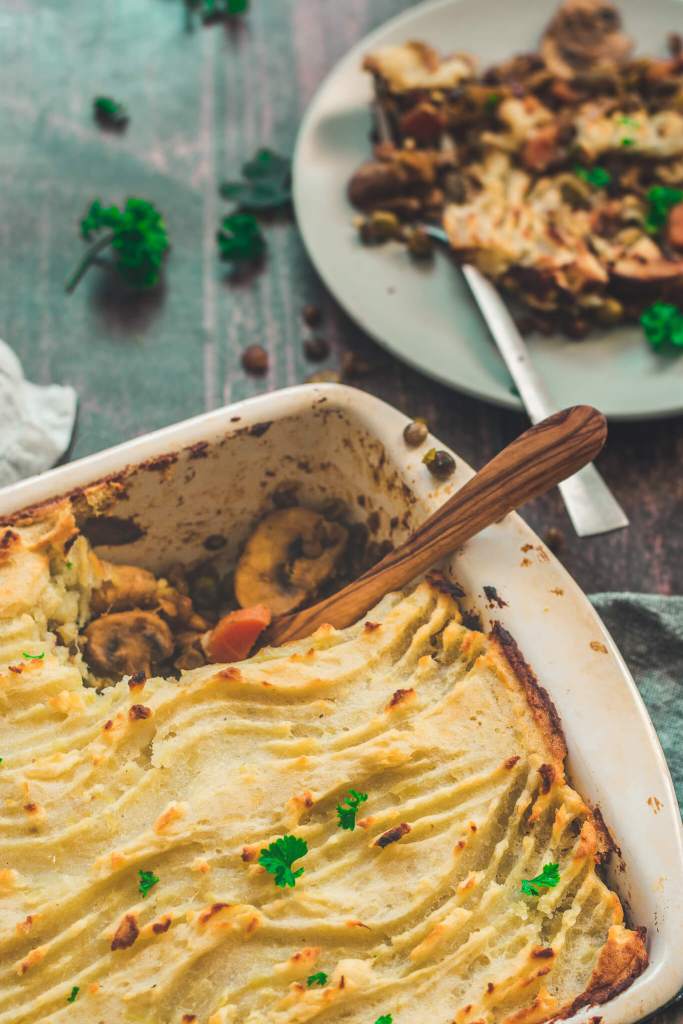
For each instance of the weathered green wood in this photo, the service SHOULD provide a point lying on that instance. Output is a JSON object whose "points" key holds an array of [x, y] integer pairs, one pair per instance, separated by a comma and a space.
{"points": [[201, 103]]}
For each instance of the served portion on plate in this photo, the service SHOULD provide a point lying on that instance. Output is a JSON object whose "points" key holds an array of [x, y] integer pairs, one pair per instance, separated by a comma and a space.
{"points": [[559, 172], [369, 825]]}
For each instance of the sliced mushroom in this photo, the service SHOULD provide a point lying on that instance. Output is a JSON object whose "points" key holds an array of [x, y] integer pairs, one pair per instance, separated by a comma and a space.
{"points": [[649, 273], [289, 556], [123, 587], [125, 642], [584, 36]]}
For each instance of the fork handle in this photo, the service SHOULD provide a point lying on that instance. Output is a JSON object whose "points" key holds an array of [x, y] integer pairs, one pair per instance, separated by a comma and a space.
{"points": [[591, 506]]}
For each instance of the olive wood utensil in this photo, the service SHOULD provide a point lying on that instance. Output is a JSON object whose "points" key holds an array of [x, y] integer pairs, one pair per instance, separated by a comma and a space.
{"points": [[537, 460]]}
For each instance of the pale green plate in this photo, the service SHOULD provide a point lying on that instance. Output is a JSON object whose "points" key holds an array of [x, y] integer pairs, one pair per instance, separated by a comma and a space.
{"points": [[426, 316]]}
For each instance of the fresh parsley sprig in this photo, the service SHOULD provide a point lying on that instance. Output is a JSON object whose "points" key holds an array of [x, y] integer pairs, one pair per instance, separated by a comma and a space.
{"points": [[661, 198], [348, 808], [386, 1018], [147, 881], [662, 323], [216, 10], [137, 236], [73, 995], [240, 241], [109, 112], [548, 879], [266, 184], [279, 857], [316, 979]]}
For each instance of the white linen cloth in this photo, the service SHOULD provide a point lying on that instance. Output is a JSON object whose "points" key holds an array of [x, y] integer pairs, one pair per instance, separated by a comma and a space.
{"points": [[36, 421]]}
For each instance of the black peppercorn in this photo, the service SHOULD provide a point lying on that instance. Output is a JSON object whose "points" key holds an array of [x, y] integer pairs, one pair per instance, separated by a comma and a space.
{"points": [[311, 315], [255, 359], [554, 538], [316, 349], [439, 463], [415, 433]]}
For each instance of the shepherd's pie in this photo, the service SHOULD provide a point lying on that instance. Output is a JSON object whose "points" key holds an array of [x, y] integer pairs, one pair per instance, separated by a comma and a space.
{"points": [[134, 820]]}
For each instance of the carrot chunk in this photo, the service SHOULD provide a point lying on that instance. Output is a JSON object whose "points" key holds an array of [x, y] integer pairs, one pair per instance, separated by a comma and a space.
{"points": [[236, 633]]}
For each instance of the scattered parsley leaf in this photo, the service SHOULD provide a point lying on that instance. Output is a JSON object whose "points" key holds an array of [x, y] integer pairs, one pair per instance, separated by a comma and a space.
{"points": [[598, 177], [240, 240], [662, 323], [1, 759], [317, 979], [69, 565], [33, 657], [386, 1018], [628, 142], [661, 199], [71, 998], [548, 879], [492, 100], [348, 808], [109, 113], [216, 10], [147, 881], [267, 182], [279, 857], [137, 235]]}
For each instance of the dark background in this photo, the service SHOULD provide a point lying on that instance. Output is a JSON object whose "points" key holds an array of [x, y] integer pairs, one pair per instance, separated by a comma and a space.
{"points": [[200, 104]]}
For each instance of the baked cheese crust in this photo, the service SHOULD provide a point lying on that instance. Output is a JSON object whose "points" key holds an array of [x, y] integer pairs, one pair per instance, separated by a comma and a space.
{"points": [[418, 913]]}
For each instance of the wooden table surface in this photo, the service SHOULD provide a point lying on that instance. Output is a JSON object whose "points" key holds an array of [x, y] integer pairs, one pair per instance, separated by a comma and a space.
{"points": [[200, 104]]}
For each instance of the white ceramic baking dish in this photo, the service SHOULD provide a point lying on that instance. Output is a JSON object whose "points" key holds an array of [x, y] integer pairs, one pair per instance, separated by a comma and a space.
{"points": [[198, 486]]}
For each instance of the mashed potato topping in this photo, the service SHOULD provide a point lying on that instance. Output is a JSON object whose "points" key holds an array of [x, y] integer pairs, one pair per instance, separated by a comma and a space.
{"points": [[134, 820]]}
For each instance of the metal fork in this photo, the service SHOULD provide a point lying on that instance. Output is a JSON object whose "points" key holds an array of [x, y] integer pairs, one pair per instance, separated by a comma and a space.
{"points": [[590, 504]]}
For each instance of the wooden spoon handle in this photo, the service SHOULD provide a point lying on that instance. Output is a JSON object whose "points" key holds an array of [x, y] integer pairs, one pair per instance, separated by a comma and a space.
{"points": [[540, 458]]}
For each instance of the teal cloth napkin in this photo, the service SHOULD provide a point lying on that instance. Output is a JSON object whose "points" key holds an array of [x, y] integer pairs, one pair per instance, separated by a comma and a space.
{"points": [[648, 630]]}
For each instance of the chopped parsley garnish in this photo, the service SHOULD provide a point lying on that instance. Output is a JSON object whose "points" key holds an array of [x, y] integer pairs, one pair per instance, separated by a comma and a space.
{"points": [[598, 177], [136, 234], [348, 808], [109, 113], [279, 857], [548, 879], [316, 979], [1, 759], [628, 122], [33, 657], [662, 323], [147, 881], [661, 199], [69, 565], [386, 1018], [492, 100], [240, 240], [266, 185], [71, 998]]}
